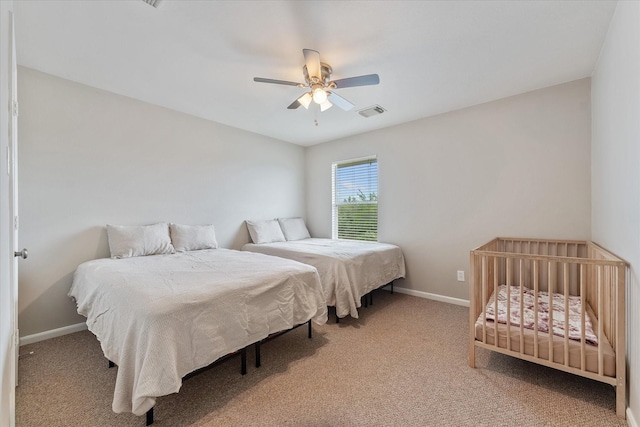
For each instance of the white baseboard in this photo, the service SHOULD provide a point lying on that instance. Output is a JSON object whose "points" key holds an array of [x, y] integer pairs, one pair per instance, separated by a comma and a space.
{"points": [[41, 336], [631, 421], [435, 297]]}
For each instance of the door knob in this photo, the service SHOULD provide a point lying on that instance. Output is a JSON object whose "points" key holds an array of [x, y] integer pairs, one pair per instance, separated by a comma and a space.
{"points": [[23, 253]]}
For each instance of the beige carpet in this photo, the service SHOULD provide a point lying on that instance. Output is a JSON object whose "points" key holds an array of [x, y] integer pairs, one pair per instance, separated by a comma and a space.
{"points": [[403, 363]]}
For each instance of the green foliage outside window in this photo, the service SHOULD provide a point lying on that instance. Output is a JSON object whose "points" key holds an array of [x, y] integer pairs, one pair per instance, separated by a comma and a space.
{"points": [[358, 217]]}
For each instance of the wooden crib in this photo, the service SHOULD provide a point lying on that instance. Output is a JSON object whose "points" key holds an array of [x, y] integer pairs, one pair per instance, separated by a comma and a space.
{"points": [[584, 288]]}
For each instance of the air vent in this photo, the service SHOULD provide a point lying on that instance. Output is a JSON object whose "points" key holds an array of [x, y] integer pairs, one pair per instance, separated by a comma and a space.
{"points": [[154, 3], [371, 111]]}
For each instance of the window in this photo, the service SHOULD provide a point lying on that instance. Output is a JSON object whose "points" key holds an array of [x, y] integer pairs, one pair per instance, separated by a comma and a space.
{"points": [[355, 199]]}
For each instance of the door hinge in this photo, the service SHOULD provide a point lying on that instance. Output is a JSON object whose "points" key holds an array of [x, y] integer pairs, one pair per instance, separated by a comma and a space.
{"points": [[14, 108]]}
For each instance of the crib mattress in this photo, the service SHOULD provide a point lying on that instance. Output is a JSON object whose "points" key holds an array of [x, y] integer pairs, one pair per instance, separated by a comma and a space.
{"points": [[591, 351]]}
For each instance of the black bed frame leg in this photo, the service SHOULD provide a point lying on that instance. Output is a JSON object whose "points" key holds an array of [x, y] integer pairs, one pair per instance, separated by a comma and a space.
{"points": [[243, 361], [371, 298], [111, 364], [392, 287], [310, 330], [258, 361], [149, 417]]}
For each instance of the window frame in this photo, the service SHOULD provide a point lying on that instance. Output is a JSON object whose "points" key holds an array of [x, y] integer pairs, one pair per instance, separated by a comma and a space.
{"points": [[334, 192]]}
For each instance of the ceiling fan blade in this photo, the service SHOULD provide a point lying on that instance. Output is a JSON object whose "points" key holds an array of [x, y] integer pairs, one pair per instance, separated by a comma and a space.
{"points": [[303, 100], [278, 82], [312, 61], [339, 101], [369, 79], [295, 104]]}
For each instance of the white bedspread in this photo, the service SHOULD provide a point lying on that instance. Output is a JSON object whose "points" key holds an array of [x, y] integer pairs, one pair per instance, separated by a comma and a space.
{"points": [[348, 269], [161, 317]]}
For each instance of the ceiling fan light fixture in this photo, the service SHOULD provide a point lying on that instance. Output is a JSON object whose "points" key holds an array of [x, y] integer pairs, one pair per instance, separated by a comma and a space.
{"points": [[319, 95], [305, 100], [325, 105]]}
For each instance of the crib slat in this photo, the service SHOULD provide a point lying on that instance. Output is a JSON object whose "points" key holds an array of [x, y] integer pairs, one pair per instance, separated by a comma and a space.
{"points": [[609, 297], [509, 261], [621, 340], [566, 314], [583, 358], [535, 308], [484, 299], [611, 286], [550, 290], [612, 304], [495, 298], [600, 326], [521, 279]]}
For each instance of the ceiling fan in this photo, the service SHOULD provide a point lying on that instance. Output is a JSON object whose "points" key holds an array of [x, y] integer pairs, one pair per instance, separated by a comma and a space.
{"points": [[316, 76]]}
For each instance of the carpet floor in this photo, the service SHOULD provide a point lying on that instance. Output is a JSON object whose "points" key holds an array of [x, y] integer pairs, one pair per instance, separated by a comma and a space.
{"points": [[402, 363]]}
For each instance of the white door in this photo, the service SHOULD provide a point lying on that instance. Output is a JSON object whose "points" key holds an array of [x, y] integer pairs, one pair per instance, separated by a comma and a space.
{"points": [[8, 233], [13, 200]]}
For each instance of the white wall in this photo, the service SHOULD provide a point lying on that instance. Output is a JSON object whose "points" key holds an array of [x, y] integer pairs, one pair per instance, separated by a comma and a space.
{"points": [[90, 157], [616, 166], [6, 300], [517, 167]]}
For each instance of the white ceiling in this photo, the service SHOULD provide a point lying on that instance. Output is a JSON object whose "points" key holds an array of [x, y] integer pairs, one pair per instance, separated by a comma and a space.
{"points": [[200, 57]]}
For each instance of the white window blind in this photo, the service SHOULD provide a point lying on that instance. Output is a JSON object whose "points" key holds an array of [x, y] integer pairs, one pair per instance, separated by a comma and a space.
{"points": [[355, 199]]}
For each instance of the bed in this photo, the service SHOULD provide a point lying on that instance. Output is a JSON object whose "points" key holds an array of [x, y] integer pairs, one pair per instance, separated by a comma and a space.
{"points": [[163, 316], [558, 303], [348, 269]]}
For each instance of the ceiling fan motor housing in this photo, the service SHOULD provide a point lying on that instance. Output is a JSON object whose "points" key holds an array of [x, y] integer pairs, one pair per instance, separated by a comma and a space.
{"points": [[325, 70]]}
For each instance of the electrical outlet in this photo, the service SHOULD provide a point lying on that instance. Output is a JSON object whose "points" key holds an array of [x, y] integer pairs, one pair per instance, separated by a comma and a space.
{"points": [[460, 275]]}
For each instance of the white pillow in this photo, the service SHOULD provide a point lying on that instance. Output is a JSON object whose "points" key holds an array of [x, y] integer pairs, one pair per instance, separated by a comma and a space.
{"points": [[294, 228], [265, 231], [137, 240], [192, 237]]}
